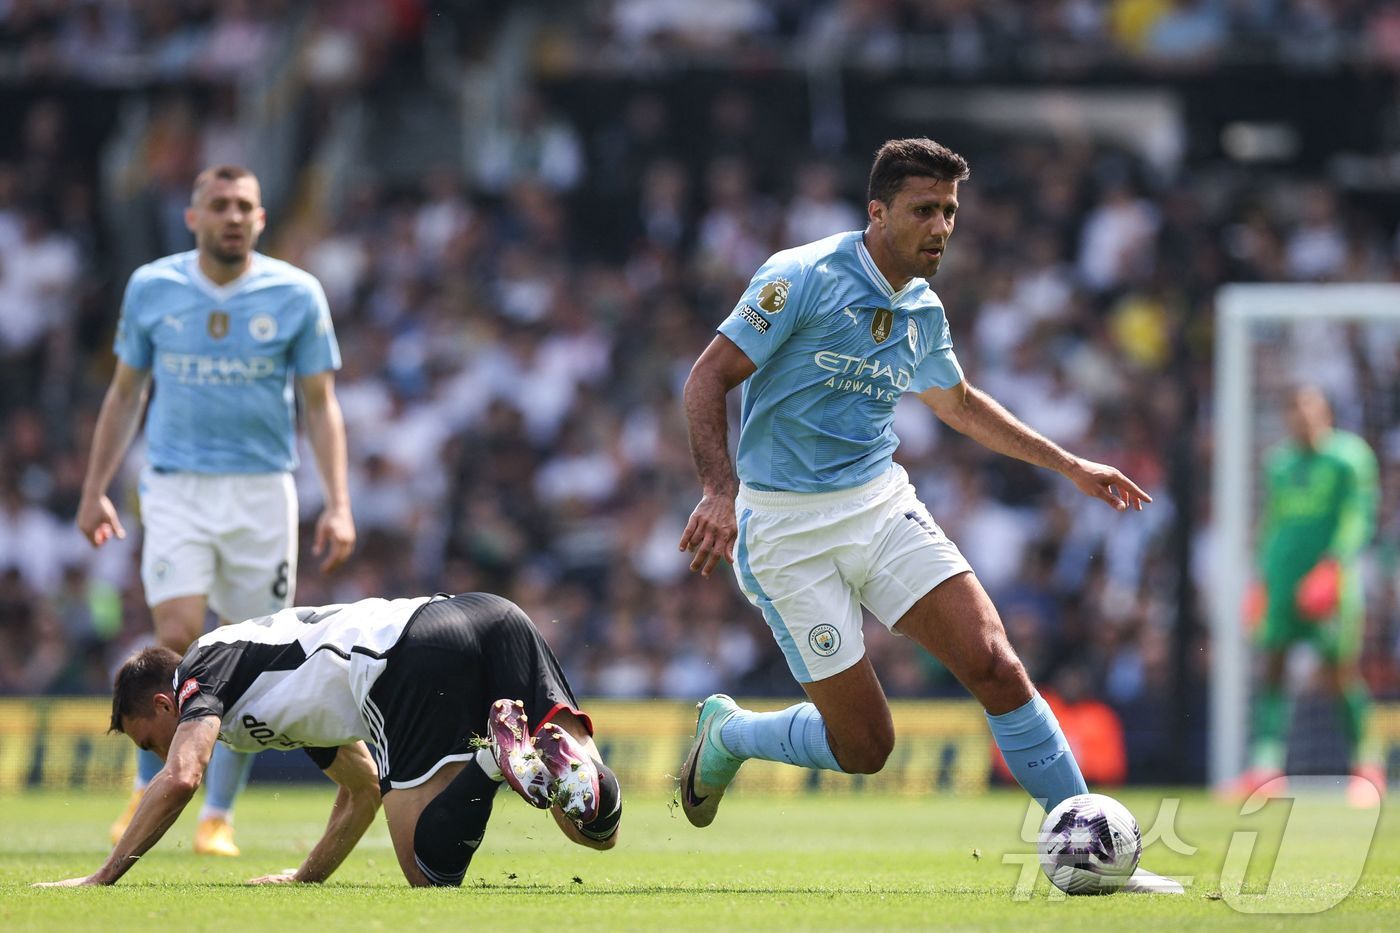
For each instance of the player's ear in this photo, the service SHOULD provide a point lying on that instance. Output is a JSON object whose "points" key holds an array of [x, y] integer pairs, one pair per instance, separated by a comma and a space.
{"points": [[259, 220], [190, 216], [876, 211]]}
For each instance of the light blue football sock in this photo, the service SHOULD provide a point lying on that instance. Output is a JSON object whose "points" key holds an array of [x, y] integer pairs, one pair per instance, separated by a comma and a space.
{"points": [[226, 777], [147, 765], [796, 735], [1037, 752]]}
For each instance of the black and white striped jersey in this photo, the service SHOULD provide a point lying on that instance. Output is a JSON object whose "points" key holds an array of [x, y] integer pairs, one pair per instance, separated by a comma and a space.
{"points": [[299, 678]]}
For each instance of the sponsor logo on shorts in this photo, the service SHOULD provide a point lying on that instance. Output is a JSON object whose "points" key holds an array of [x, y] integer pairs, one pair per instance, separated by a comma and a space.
{"points": [[161, 569], [756, 320], [187, 689], [773, 296], [825, 640], [263, 327]]}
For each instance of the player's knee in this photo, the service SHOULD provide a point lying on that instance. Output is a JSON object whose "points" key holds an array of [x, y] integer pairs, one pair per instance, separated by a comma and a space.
{"points": [[440, 852], [451, 827], [864, 761], [416, 878], [997, 674], [868, 753]]}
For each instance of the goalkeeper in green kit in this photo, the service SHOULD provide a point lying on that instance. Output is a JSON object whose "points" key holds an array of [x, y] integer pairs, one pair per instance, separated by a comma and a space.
{"points": [[1320, 505]]}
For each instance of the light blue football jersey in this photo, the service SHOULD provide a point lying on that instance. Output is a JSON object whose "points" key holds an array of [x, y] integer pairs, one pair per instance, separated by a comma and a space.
{"points": [[222, 360], [835, 348]]}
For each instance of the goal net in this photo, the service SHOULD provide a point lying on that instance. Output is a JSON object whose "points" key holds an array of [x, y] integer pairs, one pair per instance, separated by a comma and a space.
{"points": [[1344, 339]]}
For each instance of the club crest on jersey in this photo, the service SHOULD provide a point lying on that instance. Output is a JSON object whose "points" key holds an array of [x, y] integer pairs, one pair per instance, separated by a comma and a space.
{"points": [[881, 324], [773, 296], [218, 324], [263, 327], [913, 335], [824, 640]]}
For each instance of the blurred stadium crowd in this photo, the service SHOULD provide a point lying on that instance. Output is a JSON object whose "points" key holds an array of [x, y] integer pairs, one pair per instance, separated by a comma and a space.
{"points": [[516, 324]]}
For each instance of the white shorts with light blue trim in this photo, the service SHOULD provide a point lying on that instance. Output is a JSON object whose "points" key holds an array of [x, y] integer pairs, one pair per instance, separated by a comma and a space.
{"points": [[809, 561], [229, 536]]}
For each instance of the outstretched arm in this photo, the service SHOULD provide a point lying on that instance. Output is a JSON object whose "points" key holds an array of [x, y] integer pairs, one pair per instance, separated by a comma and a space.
{"points": [[165, 798], [1357, 503], [973, 412], [356, 803], [116, 424], [325, 428], [712, 528]]}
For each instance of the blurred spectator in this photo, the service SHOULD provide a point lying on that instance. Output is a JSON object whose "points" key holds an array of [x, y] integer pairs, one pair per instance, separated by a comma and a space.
{"points": [[664, 219], [817, 209], [32, 543], [1117, 240], [1317, 247], [712, 25], [736, 230], [533, 143], [237, 41], [1191, 32], [39, 269]]}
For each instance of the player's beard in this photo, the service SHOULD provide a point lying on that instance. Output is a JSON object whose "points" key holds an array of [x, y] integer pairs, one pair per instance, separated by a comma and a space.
{"points": [[228, 256]]}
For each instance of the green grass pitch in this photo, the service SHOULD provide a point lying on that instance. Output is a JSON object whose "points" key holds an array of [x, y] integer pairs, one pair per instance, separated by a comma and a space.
{"points": [[768, 863]]}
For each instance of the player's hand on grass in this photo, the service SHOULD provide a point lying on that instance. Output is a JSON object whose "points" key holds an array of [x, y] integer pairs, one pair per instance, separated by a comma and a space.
{"points": [[1101, 481], [97, 520], [68, 883], [335, 538], [286, 876], [711, 533]]}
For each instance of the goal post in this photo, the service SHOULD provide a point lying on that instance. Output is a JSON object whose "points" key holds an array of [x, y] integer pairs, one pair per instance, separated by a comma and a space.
{"points": [[1248, 318]]}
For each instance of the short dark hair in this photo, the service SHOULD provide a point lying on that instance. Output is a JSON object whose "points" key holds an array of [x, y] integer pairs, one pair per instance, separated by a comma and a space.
{"points": [[221, 173], [899, 159], [144, 674]]}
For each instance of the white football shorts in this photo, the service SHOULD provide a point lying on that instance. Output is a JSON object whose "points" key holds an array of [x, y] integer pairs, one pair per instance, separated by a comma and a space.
{"points": [[809, 561], [230, 536]]}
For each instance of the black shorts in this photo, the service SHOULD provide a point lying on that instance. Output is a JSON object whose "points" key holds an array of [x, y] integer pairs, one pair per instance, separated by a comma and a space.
{"points": [[458, 656]]}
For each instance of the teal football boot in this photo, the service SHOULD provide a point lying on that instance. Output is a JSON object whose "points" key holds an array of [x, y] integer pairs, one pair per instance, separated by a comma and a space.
{"points": [[708, 767]]}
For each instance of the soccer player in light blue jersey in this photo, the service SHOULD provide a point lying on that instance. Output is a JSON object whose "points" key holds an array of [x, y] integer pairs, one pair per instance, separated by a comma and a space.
{"points": [[220, 331], [821, 521]]}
